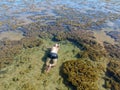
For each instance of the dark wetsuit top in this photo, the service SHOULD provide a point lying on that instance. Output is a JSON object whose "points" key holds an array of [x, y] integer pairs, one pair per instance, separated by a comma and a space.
{"points": [[53, 56]]}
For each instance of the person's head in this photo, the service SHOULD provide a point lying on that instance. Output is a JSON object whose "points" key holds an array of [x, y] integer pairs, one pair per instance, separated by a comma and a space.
{"points": [[57, 45]]}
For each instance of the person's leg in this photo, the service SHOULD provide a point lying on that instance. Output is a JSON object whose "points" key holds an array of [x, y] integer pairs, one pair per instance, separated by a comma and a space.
{"points": [[54, 62], [48, 62]]}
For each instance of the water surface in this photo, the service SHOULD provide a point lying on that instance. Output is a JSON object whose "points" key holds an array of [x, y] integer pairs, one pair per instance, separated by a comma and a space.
{"points": [[16, 13]]}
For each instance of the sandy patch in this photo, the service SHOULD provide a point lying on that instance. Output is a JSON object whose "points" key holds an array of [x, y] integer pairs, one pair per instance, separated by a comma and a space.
{"points": [[22, 20], [101, 37], [11, 35]]}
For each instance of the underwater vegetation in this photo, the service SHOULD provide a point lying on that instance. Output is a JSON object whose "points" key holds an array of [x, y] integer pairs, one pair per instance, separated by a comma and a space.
{"points": [[112, 50], [7, 52], [30, 42], [93, 54], [113, 73], [112, 79], [9, 49], [115, 35], [85, 41], [62, 24], [92, 20], [78, 71], [81, 74]]}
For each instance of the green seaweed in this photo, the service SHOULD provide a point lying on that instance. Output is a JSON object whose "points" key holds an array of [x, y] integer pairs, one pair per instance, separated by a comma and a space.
{"points": [[113, 74], [81, 74]]}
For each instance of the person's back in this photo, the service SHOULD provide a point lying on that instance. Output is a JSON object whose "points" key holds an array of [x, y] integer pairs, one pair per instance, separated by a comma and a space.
{"points": [[55, 48]]}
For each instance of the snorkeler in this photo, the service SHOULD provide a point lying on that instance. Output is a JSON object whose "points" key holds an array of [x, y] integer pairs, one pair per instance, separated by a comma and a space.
{"points": [[53, 56]]}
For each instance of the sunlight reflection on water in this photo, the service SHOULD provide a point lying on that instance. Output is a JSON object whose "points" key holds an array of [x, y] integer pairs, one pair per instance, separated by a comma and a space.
{"points": [[13, 10]]}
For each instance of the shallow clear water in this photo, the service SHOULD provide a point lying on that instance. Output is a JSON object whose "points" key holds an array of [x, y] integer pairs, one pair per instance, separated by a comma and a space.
{"points": [[17, 12]]}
